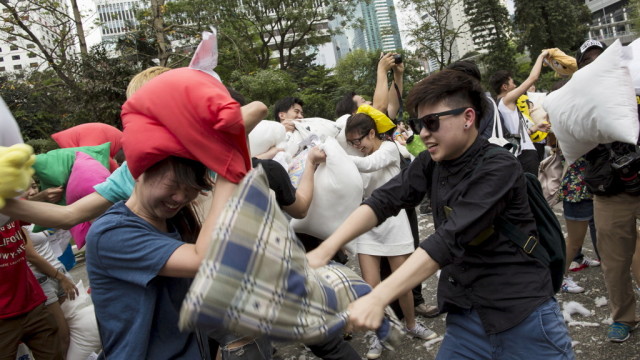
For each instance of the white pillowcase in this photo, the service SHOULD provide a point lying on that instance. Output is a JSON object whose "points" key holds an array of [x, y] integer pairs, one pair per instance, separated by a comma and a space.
{"points": [[597, 106], [265, 135]]}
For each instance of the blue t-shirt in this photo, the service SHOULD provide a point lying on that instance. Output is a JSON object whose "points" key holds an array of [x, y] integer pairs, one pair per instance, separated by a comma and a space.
{"points": [[137, 310]]}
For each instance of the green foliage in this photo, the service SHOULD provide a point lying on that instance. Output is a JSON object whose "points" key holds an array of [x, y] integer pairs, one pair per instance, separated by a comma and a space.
{"points": [[320, 92], [357, 72], [634, 14], [267, 86], [434, 36], [544, 24], [492, 28], [41, 146]]}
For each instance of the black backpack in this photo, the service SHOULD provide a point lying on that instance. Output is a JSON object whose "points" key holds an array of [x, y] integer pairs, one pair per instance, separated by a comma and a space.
{"points": [[549, 246]]}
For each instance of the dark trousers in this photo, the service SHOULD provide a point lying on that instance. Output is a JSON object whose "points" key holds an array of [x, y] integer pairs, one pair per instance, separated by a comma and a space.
{"points": [[37, 329], [335, 348], [529, 161]]}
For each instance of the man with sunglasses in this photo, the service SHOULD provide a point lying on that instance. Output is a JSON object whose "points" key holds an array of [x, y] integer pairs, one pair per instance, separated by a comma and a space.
{"points": [[499, 299], [507, 96]]}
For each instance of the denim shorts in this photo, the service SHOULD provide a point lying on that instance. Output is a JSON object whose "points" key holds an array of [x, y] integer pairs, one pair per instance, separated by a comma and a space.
{"points": [[51, 287], [578, 211]]}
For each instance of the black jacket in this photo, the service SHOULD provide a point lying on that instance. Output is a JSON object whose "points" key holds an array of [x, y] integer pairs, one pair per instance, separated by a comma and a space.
{"points": [[496, 277]]}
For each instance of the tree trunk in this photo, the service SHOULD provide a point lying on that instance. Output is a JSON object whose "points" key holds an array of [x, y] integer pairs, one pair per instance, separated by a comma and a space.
{"points": [[82, 41], [164, 47]]}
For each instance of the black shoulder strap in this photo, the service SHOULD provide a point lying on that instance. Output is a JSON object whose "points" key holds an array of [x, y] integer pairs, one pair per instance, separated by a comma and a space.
{"points": [[528, 243]]}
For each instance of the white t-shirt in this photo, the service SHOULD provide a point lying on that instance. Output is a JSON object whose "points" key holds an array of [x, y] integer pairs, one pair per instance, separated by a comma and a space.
{"points": [[512, 123]]}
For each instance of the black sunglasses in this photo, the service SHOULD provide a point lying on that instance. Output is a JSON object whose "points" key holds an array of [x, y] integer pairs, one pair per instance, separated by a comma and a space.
{"points": [[356, 142], [432, 121]]}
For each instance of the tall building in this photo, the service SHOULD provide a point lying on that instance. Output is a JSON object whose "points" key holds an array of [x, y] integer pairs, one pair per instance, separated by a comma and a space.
{"points": [[380, 25], [610, 20], [16, 53]]}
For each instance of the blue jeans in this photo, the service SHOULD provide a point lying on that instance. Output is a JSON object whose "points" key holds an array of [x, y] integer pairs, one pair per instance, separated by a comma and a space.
{"points": [[542, 335]]}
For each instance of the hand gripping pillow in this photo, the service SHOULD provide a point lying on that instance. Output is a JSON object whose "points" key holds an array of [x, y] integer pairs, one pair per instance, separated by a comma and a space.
{"points": [[255, 279], [265, 135], [597, 106], [91, 134], [337, 181], [85, 174]]}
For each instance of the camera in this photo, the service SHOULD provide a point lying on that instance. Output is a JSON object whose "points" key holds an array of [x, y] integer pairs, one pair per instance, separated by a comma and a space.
{"points": [[627, 167], [397, 58]]}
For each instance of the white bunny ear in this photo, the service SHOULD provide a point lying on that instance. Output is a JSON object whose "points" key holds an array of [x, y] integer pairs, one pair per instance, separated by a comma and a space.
{"points": [[205, 58]]}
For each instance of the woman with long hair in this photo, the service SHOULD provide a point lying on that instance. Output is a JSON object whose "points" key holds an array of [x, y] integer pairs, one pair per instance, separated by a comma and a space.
{"points": [[392, 238]]}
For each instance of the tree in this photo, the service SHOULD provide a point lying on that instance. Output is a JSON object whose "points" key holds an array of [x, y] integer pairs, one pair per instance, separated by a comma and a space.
{"points": [[320, 92], [491, 28], [255, 29], [41, 24], [634, 14], [267, 85], [434, 35], [562, 24], [357, 71]]}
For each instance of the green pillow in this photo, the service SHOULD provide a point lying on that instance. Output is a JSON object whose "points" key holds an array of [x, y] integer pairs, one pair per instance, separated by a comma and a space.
{"points": [[54, 167]]}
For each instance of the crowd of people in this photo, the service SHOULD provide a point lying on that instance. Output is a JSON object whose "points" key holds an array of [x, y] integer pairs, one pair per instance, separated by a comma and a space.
{"points": [[185, 148]]}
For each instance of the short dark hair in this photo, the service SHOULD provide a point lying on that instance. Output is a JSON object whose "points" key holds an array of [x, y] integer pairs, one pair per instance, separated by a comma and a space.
{"points": [[361, 124], [468, 67], [346, 105], [498, 79], [235, 95], [284, 104], [451, 87]]}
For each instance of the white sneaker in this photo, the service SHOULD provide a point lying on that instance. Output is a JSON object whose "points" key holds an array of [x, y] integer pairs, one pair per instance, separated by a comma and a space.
{"points": [[569, 286], [422, 332], [590, 262], [375, 349]]}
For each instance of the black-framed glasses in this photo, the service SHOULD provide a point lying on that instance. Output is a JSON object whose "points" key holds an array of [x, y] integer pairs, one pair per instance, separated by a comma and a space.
{"points": [[432, 121], [356, 142]]}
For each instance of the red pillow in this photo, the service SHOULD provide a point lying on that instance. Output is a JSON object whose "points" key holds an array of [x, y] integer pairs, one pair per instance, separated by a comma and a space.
{"points": [[91, 134], [185, 113], [85, 173]]}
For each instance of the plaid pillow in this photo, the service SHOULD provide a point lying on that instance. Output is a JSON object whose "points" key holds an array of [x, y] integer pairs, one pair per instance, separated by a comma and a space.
{"points": [[255, 279]]}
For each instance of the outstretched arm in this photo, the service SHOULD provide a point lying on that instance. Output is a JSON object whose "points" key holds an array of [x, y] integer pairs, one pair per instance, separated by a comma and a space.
{"points": [[513, 95], [359, 222], [381, 94], [394, 97], [367, 312], [57, 216]]}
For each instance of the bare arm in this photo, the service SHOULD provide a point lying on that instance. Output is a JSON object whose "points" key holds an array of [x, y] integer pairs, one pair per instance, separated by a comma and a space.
{"points": [[513, 95], [252, 114], [360, 221], [47, 269], [394, 100], [57, 216], [367, 312], [381, 94], [185, 260], [304, 193]]}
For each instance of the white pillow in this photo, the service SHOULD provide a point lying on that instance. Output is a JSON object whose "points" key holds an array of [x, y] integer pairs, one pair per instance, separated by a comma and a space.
{"points": [[634, 66], [597, 106], [266, 135], [337, 192]]}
